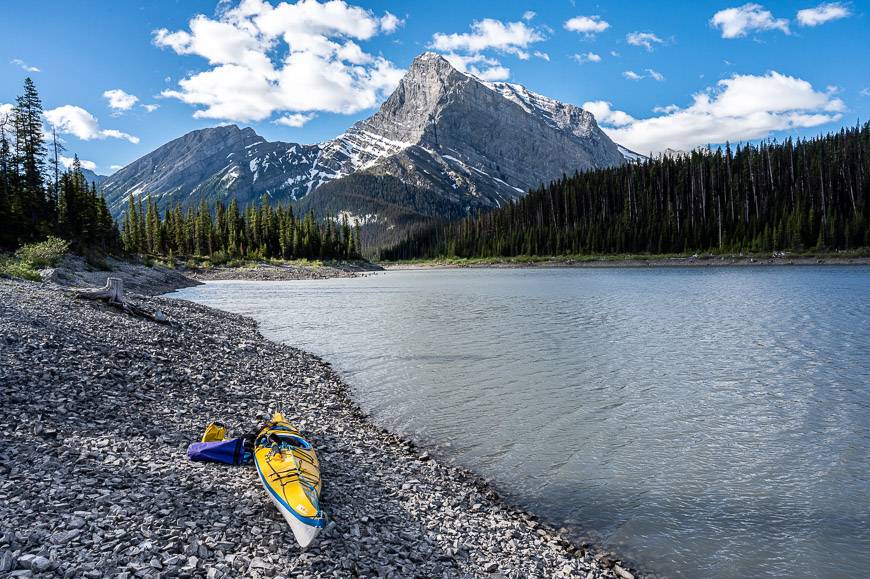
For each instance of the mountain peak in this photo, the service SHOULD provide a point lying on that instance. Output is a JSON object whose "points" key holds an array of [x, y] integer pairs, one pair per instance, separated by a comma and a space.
{"points": [[447, 139], [429, 58]]}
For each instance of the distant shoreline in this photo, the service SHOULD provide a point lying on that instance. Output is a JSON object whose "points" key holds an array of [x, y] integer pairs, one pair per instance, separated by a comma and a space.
{"points": [[630, 261]]}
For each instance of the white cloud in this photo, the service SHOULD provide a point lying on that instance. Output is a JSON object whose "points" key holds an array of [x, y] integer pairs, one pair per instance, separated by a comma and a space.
{"points": [[299, 57], [865, 92], [655, 75], [295, 119], [585, 57], [77, 121], [67, 162], [529, 15], [666, 109], [604, 114], [631, 75], [23, 65], [120, 100], [823, 13], [6, 111], [614, 53], [646, 39], [466, 51], [150, 108], [737, 22], [588, 25], [739, 108], [489, 34], [490, 69], [390, 23]]}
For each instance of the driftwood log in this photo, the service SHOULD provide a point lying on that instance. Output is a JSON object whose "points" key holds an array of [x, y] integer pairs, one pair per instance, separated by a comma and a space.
{"points": [[113, 295]]}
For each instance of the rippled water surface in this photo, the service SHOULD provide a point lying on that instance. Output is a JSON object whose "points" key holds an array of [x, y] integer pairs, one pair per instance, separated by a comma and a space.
{"points": [[702, 422]]}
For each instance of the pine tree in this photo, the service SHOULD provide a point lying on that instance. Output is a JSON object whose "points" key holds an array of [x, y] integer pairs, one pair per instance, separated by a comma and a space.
{"points": [[29, 158]]}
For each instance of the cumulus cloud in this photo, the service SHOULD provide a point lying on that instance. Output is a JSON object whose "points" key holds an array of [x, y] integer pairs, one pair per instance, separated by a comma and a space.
{"points": [[738, 22], [604, 114], [481, 66], [291, 57], [390, 23], [466, 50], [77, 121], [120, 100], [588, 25], [585, 57], [23, 65], [295, 119], [823, 13], [655, 75], [150, 108], [739, 108], [646, 39], [67, 162], [529, 15], [490, 34], [631, 75]]}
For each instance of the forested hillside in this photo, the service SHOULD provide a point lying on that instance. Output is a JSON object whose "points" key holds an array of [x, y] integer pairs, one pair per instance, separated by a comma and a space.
{"points": [[388, 208], [223, 232], [37, 197], [795, 195]]}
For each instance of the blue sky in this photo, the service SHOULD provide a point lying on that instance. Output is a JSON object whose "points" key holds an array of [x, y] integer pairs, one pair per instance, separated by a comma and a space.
{"points": [[656, 75]]}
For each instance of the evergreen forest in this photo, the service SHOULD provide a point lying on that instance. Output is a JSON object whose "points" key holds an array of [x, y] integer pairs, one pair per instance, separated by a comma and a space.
{"points": [[797, 195]]}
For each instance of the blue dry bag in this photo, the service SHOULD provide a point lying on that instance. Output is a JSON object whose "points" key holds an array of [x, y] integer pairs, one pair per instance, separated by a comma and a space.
{"points": [[230, 451]]}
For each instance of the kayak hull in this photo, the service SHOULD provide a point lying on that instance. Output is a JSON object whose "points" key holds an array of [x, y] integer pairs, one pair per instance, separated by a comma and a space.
{"points": [[289, 471]]}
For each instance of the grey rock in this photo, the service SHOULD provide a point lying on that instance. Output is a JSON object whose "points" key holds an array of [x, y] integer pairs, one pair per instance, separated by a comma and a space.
{"points": [[76, 523], [39, 564], [7, 561]]}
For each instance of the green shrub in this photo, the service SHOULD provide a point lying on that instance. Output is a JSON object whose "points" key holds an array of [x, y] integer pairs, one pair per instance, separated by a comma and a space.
{"points": [[218, 258], [11, 267], [43, 254]]}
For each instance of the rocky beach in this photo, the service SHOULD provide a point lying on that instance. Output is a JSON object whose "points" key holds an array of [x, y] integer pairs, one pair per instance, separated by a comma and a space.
{"points": [[98, 408]]}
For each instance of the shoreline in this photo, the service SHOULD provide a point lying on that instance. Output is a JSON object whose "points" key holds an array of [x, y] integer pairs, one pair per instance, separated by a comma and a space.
{"points": [[154, 280], [436, 519], [631, 262]]}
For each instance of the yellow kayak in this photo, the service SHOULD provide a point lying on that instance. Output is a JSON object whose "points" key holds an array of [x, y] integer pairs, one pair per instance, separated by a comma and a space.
{"points": [[290, 472]]}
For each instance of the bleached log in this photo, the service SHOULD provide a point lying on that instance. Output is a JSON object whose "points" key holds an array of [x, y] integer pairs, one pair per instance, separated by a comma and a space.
{"points": [[113, 295]]}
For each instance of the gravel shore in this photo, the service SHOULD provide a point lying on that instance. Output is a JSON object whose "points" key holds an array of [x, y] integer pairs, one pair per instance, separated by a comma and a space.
{"points": [[97, 409], [286, 271]]}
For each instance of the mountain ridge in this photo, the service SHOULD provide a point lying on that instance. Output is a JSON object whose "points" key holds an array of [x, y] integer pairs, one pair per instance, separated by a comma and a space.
{"points": [[466, 143]]}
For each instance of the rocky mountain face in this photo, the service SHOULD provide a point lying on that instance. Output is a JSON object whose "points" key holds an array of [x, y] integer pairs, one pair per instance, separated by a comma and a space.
{"points": [[442, 144], [92, 177]]}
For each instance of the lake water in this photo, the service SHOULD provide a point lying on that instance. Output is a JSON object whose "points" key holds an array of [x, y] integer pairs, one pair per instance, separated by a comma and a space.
{"points": [[701, 422]]}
